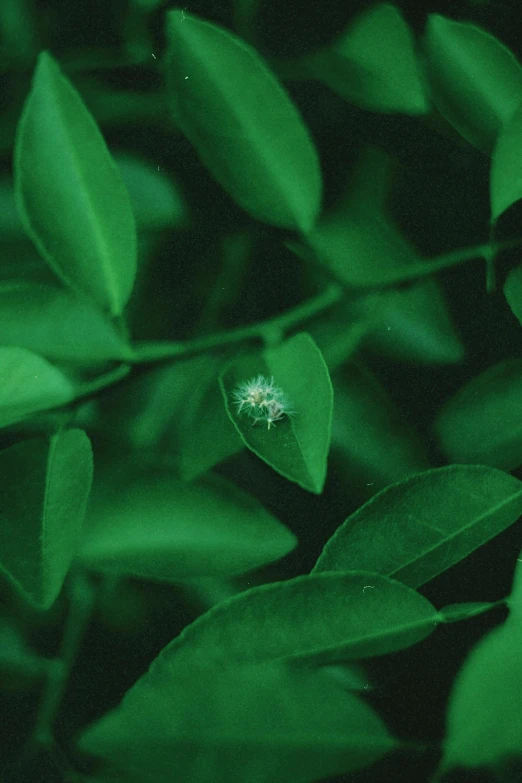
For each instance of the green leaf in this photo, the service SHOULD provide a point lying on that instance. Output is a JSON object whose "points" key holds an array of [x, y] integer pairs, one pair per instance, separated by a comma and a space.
{"points": [[296, 447], [349, 616], [261, 724], [29, 384], [57, 324], [157, 201], [242, 123], [454, 613], [476, 81], [374, 64], [148, 524], [420, 527], [484, 719], [513, 291], [70, 194], [506, 168], [45, 487], [174, 415], [481, 423], [376, 444]]}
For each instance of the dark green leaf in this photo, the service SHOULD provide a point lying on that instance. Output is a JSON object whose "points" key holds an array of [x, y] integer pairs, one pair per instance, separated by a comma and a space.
{"points": [[476, 82], [150, 525], [70, 194], [29, 384], [157, 202], [45, 487], [261, 724], [506, 168], [317, 618], [513, 291], [374, 64], [482, 422], [244, 126], [296, 447], [484, 720], [56, 324], [418, 528], [376, 443]]}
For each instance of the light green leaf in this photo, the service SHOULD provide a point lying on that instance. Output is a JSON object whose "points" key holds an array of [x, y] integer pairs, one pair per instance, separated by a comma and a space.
{"points": [[476, 81], [484, 719], [45, 487], [148, 524], [482, 422], [55, 323], [70, 195], [316, 618], [242, 123], [261, 724], [505, 184], [374, 64], [296, 447], [29, 384], [420, 527]]}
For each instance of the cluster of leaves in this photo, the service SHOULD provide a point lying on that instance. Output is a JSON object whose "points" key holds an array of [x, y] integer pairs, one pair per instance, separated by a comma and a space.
{"points": [[247, 691]]}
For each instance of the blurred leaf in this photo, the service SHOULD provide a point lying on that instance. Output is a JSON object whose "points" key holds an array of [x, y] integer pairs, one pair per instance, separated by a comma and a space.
{"points": [[45, 487], [261, 724], [482, 422], [361, 246], [420, 527], [242, 123], [376, 443], [506, 167], [373, 64], [70, 195], [157, 202], [147, 524], [484, 719], [411, 325], [55, 323], [313, 619], [476, 81], [297, 447], [29, 384], [174, 414], [11, 227]]}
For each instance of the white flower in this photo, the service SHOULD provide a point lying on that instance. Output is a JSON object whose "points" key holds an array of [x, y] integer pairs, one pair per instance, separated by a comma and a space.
{"points": [[262, 400]]}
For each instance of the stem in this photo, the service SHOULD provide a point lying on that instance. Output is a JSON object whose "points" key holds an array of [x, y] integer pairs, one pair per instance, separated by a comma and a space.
{"points": [[81, 603]]}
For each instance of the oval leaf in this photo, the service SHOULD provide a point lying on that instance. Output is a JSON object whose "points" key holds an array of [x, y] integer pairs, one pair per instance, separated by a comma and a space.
{"points": [[491, 676], [374, 64], [45, 487], [150, 525], [418, 528], [55, 323], [476, 81], [29, 384], [296, 447], [349, 616], [242, 123], [506, 167], [70, 194], [482, 422], [262, 724]]}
